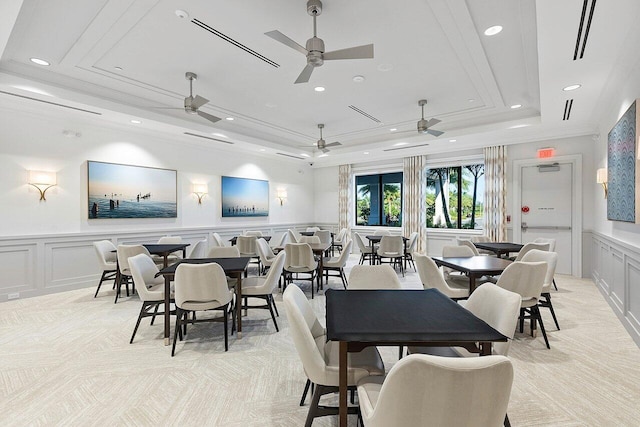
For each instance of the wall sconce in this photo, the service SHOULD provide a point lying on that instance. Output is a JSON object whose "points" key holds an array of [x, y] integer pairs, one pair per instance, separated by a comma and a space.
{"points": [[42, 180], [282, 196], [601, 178], [200, 190]]}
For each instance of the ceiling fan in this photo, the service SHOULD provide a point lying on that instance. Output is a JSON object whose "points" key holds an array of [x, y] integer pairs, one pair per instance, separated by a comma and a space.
{"points": [[424, 125], [192, 103], [315, 46], [322, 144]]}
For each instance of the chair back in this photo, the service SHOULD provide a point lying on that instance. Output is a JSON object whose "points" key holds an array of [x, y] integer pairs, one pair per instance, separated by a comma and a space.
{"points": [[217, 240], [391, 246], [143, 271], [199, 249], [224, 252], [551, 242], [362, 247], [299, 255], [425, 390], [531, 246], [344, 255], [169, 240], [127, 251], [429, 273], [247, 245], [469, 244], [551, 258], [309, 239], [264, 251], [201, 286], [307, 333], [292, 236], [106, 257], [313, 229], [341, 235], [323, 235], [480, 239], [457, 251], [412, 243], [373, 277], [284, 239], [274, 273], [254, 233], [382, 233], [525, 279], [498, 307]]}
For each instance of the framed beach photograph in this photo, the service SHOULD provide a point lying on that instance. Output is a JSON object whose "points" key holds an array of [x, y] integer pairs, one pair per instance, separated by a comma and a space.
{"points": [[126, 191], [243, 197]]}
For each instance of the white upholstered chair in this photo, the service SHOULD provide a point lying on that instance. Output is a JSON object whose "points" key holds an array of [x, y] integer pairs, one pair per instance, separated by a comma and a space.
{"points": [[309, 239], [526, 279], [217, 240], [552, 248], [338, 263], [253, 233], [339, 239], [107, 259], [169, 240], [293, 237], [149, 287], [263, 287], [312, 229], [279, 243], [529, 247], [469, 244], [247, 247], [431, 277], [551, 258], [392, 247], [265, 254], [198, 250], [382, 233], [124, 253], [366, 251], [412, 245], [223, 252], [373, 277], [430, 391], [320, 357], [200, 287], [457, 252], [300, 260]]}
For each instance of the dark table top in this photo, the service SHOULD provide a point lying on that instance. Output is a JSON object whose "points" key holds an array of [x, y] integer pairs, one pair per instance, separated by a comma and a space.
{"points": [[157, 248], [234, 239], [402, 316], [311, 233], [499, 247], [474, 265], [229, 265], [377, 238]]}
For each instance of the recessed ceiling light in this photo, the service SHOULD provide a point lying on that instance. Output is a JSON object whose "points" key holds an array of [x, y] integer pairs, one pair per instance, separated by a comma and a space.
{"points": [[492, 31], [385, 67], [358, 79], [220, 135], [366, 152], [452, 140], [393, 130], [514, 106], [230, 118], [323, 155], [318, 89], [270, 105], [571, 87], [398, 144], [118, 68], [137, 122], [471, 100], [304, 155], [39, 61], [181, 13], [262, 149]]}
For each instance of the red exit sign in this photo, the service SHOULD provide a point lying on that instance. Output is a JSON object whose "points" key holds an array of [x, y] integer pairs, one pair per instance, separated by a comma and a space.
{"points": [[546, 153]]}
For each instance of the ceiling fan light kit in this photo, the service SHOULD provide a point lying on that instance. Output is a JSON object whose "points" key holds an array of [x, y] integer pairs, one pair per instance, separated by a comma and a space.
{"points": [[424, 126], [322, 144]]}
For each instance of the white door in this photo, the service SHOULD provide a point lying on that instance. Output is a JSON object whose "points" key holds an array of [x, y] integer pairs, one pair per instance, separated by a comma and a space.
{"points": [[546, 208]]}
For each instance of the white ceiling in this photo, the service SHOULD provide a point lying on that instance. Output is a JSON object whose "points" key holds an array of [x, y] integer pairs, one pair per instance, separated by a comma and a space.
{"points": [[432, 49]]}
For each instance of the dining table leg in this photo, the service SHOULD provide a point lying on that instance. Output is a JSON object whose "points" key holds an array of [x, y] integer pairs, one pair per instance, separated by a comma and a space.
{"points": [[167, 309], [342, 395], [239, 304]]}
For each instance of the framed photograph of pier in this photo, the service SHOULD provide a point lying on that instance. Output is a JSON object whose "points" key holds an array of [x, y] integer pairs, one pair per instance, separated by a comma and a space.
{"points": [[623, 200], [126, 191], [244, 197]]}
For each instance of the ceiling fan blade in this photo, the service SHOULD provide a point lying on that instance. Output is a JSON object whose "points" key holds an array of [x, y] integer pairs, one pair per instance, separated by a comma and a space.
{"points": [[198, 102], [358, 52], [305, 74], [208, 116], [324, 150], [333, 144], [434, 132], [432, 122], [278, 36]]}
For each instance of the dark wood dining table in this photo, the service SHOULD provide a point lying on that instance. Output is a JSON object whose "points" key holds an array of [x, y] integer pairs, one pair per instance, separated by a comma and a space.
{"points": [[362, 318], [499, 248], [233, 267], [474, 266], [234, 239]]}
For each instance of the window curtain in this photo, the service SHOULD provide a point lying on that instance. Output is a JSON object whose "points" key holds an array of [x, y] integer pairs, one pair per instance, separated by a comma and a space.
{"points": [[495, 181], [413, 199], [344, 192]]}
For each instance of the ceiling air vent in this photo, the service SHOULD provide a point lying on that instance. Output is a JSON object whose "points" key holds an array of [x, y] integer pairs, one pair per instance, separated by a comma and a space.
{"points": [[567, 109], [51, 103], [367, 115], [234, 42], [289, 155], [208, 137], [581, 40], [404, 148]]}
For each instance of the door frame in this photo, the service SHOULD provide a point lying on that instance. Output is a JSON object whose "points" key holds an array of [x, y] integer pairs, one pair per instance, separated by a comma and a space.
{"points": [[576, 204]]}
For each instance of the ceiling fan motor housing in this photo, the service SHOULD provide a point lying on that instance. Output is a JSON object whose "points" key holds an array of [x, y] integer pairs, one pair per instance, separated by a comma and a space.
{"points": [[315, 47], [188, 107], [423, 125]]}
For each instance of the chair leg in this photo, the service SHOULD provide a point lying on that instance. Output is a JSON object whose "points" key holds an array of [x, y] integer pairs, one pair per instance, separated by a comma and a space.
{"points": [[313, 409], [343, 277], [506, 421], [554, 284], [275, 307], [155, 313], [144, 305], [102, 278], [304, 393], [522, 320], [535, 313], [547, 303], [175, 332], [269, 304], [226, 327]]}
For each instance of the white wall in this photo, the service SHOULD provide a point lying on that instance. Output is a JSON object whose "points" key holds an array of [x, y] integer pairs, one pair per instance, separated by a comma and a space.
{"points": [[326, 194]]}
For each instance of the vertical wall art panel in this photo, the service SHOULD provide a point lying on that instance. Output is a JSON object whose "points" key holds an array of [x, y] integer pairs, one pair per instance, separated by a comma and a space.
{"points": [[623, 200]]}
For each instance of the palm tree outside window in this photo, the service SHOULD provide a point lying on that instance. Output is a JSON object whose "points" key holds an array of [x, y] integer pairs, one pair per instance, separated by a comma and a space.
{"points": [[379, 200]]}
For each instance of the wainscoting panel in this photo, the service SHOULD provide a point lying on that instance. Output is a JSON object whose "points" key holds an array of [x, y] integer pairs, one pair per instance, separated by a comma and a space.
{"points": [[18, 266], [70, 263], [616, 272]]}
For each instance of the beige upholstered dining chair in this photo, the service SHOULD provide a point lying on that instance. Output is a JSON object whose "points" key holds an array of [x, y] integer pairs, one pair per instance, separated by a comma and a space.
{"points": [[149, 287], [392, 247], [431, 277], [217, 240], [200, 287], [300, 260], [293, 237], [309, 239], [253, 233], [247, 247], [223, 252], [456, 252], [263, 287], [339, 239], [320, 357], [312, 229], [338, 263], [108, 262], [551, 258], [169, 240], [552, 248], [470, 245], [199, 249], [382, 233], [526, 279], [373, 277], [529, 247], [124, 253], [366, 251], [412, 244], [265, 254], [428, 391]]}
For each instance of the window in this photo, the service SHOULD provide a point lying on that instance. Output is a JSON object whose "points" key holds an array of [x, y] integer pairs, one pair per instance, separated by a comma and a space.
{"points": [[379, 199], [455, 197]]}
